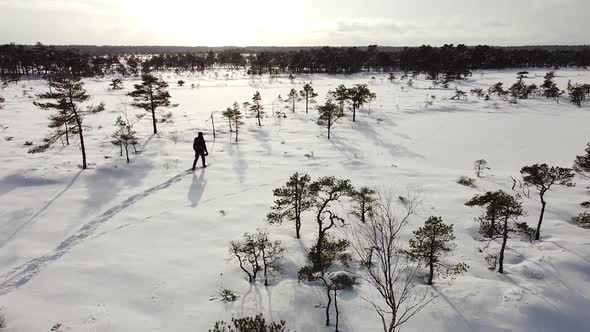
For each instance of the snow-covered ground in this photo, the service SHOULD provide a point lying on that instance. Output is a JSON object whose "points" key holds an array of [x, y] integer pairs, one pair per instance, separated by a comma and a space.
{"points": [[143, 246]]}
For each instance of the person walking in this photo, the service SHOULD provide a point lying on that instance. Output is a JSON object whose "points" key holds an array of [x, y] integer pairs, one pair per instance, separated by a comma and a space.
{"points": [[200, 150]]}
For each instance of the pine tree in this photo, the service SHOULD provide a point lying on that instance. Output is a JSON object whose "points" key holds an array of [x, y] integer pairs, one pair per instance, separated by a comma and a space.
{"points": [[124, 136], [116, 84], [550, 89], [257, 107], [489, 226], [480, 166], [430, 243], [340, 95], [237, 116], [391, 77], [67, 93], [180, 82], [2, 100], [582, 163], [364, 199], [359, 95], [326, 191], [150, 95], [578, 92], [308, 94], [229, 114], [293, 97], [329, 113], [291, 200], [543, 177], [503, 209]]}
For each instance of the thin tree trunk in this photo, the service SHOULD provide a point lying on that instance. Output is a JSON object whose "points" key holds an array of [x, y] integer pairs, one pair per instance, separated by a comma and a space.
{"points": [[127, 152], [236, 130], [79, 123], [431, 260], [213, 125], [67, 132], [328, 307], [306, 104], [336, 307], [504, 240], [538, 233], [258, 116]]}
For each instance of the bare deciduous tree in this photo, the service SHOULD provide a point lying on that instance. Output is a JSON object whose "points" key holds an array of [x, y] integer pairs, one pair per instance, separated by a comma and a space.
{"points": [[385, 267]]}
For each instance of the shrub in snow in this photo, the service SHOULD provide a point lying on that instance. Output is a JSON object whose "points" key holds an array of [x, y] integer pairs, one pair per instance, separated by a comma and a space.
{"points": [[478, 92], [123, 137], [116, 84], [180, 82], [585, 204], [459, 95], [430, 243], [501, 209], [543, 177], [466, 181], [498, 89], [582, 220], [492, 261], [363, 199], [291, 200], [257, 253], [249, 324], [150, 95], [227, 295], [2, 100]]}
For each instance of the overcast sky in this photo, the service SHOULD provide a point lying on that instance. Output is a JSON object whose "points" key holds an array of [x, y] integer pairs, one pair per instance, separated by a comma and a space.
{"points": [[295, 22]]}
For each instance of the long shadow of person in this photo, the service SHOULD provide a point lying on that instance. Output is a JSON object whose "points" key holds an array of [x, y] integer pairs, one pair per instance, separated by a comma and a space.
{"points": [[197, 188]]}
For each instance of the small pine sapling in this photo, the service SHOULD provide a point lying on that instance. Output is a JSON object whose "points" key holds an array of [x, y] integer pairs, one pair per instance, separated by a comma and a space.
{"points": [[430, 243], [255, 253], [180, 82], [329, 113], [364, 198], [257, 107], [229, 114], [116, 84], [291, 201], [292, 98], [237, 115], [480, 166]]}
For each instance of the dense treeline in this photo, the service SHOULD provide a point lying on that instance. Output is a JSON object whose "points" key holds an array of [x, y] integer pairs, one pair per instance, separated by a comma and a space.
{"points": [[449, 61]]}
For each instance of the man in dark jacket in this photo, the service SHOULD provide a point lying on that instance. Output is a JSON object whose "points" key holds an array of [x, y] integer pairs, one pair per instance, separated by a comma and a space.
{"points": [[200, 150]]}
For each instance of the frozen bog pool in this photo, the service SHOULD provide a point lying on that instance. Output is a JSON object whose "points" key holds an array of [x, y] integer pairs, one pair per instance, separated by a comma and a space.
{"points": [[143, 246]]}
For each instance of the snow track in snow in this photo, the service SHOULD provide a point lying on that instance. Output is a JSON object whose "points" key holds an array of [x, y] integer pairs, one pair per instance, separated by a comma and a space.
{"points": [[22, 274]]}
